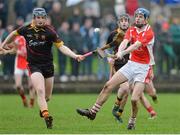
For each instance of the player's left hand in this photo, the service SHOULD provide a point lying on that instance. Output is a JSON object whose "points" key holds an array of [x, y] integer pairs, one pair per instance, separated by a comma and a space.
{"points": [[80, 58], [110, 61]]}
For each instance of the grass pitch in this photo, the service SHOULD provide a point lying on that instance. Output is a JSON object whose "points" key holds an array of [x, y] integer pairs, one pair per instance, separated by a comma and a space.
{"points": [[14, 118]]}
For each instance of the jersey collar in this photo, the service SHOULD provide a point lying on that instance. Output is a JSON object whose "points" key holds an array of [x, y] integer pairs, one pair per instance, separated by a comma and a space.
{"points": [[145, 28], [32, 26]]}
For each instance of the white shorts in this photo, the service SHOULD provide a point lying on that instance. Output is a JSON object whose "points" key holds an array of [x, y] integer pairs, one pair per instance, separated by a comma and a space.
{"points": [[135, 72], [18, 71]]}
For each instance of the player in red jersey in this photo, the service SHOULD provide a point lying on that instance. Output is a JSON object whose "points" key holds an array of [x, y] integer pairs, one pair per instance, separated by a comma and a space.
{"points": [[114, 40], [20, 69], [141, 39]]}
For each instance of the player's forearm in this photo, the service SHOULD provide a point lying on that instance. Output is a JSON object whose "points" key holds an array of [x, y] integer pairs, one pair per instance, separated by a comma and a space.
{"points": [[131, 48], [9, 39], [11, 51], [123, 45], [65, 50]]}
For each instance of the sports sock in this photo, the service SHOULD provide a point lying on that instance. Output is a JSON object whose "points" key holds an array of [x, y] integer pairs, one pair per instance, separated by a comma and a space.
{"points": [[45, 113], [96, 107], [150, 109], [21, 93], [120, 111], [132, 120]]}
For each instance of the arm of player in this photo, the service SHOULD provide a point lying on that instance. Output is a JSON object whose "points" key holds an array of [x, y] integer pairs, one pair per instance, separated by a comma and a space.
{"points": [[123, 45], [121, 48], [113, 43], [65, 50], [116, 41], [8, 46], [11, 50], [9, 39], [131, 48]]}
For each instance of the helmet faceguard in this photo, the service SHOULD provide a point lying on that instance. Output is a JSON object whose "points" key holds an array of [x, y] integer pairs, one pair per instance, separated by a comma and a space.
{"points": [[39, 12], [145, 13], [142, 11], [123, 25], [124, 16]]}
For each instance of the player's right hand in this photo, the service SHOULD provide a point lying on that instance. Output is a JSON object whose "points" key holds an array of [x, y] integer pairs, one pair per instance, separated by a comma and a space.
{"points": [[3, 51], [80, 58]]}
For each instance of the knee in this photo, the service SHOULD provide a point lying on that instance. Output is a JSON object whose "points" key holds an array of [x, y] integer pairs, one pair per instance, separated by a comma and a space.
{"points": [[40, 92], [125, 91], [124, 88]]}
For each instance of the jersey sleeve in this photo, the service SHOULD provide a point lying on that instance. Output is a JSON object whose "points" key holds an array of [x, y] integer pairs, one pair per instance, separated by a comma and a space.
{"points": [[21, 31], [56, 40], [115, 38], [110, 37], [148, 36]]}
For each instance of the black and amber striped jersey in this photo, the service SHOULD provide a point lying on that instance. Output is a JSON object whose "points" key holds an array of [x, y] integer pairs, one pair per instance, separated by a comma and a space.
{"points": [[114, 40], [39, 42]]}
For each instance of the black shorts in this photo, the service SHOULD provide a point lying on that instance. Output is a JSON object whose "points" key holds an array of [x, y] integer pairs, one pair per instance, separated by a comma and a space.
{"points": [[46, 70], [118, 64]]}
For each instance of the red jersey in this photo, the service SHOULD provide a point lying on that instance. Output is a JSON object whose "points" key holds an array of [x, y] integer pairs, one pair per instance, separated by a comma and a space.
{"points": [[144, 54], [21, 62]]}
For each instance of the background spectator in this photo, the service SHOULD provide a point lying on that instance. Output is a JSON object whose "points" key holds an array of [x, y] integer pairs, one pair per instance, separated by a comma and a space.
{"points": [[75, 17], [4, 12], [63, 32], [87, 34], [24, 7], [76, 41], [175, 33], [8, 60], [56, 14]]}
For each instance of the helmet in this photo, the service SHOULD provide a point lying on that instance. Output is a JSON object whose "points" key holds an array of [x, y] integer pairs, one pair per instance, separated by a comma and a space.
{"points": [[124, 15], [39, 12], [142, 11], [123, 26]]}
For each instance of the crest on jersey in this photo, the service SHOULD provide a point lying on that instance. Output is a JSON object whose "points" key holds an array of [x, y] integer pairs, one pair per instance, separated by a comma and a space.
{"points": [[43, 37], [36, 36]]}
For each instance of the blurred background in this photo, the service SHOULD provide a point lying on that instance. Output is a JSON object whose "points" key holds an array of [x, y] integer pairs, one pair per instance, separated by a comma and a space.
{"points": [[75, 20]]}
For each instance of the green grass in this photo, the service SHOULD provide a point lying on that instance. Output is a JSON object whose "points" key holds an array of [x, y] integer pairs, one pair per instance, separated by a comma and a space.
{"points": [[16, 119]]}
